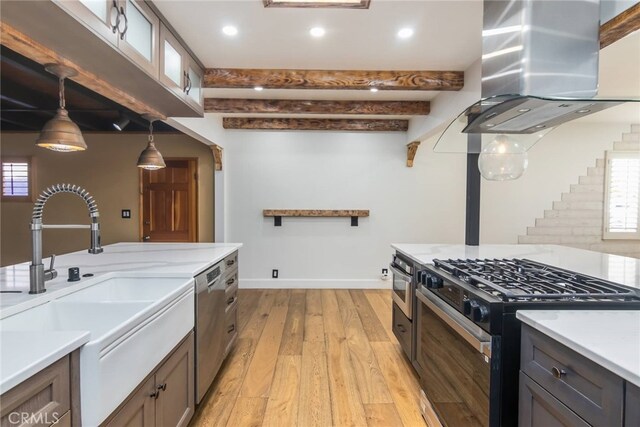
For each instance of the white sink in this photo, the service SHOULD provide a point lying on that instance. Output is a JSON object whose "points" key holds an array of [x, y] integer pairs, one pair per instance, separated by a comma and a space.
{"points": [[127, 289], [134, 323]]}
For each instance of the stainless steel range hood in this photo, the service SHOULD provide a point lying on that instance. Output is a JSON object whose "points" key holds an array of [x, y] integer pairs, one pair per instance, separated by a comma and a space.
{"points": [[539, 69]]}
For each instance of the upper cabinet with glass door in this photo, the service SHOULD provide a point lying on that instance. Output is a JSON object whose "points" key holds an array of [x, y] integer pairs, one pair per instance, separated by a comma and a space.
{"points": [[195, 76], [139, 33], [101, 16]]}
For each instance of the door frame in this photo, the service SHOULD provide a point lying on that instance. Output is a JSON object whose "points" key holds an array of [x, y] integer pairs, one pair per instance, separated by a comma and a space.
{"points": [[193, 217]]}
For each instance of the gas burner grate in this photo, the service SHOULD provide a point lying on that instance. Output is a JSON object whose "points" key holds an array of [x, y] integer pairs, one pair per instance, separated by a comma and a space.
{"points": [[523, 279]]}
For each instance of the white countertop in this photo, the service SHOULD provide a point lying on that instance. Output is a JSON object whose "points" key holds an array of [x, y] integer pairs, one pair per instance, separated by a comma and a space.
{"points": [[166, 259], [40, 350], [615, 268], [609, 338], [24, 353]]}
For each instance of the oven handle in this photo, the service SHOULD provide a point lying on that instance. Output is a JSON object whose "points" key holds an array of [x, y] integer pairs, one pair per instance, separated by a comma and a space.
{"points": [[401, 273], [478, 339]]}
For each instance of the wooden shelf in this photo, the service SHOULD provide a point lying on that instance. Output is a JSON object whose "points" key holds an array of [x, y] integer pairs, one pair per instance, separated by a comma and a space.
{"points": [[277, 214]]}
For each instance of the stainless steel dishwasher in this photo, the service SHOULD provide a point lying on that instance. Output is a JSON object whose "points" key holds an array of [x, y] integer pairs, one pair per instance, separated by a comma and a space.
{"points": [[216, 319]]}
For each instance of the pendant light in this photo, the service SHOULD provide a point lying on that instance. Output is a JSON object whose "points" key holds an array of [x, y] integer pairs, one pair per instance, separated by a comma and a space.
{"points": [[502, 160], [150, 158], [60, 133]]}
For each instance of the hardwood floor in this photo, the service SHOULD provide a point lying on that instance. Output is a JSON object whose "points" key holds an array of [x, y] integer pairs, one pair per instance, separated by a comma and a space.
{"points": [[313, 358]]}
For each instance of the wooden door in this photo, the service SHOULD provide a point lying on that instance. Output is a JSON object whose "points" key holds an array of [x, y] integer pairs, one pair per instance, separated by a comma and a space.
{"points": [[169, 202], [175, 378]]}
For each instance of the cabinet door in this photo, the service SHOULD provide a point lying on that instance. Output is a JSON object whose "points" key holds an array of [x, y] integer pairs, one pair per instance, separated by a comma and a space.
{"points": [[175, 404], [101, 16], [632, 406], [139, 35], [172, 62], [538, 408], [139, 410], [194, 76]]}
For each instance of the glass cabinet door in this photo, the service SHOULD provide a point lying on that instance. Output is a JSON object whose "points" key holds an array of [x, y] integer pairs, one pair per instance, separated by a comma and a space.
{"points": [[100, 16], [194, 84], [172, 62], [139, 35]]}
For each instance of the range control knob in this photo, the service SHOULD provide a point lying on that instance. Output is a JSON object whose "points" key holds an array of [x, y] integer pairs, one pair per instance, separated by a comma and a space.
{"points": [[422, 277], [433, 282], [466, 307], [480, 313]]}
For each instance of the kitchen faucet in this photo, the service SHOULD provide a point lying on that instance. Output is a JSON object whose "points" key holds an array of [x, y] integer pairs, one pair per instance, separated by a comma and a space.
{"points": [[37, 274]]}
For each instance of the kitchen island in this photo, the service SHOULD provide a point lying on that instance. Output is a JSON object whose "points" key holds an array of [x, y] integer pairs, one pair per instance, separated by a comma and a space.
{"points": [[456, 313], [137, 296]]}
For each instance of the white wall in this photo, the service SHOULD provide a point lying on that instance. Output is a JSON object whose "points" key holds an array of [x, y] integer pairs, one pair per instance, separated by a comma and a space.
{"points": [[556, 162], [335, 170]]}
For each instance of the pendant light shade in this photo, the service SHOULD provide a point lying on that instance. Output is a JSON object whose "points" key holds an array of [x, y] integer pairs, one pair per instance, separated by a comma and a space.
{"points": [[502, 160], [60, 133], [150, 158]]}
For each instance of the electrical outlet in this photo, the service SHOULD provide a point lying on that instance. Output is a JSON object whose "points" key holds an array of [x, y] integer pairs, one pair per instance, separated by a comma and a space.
{"points": [[274, 274], [126, 213], [385, 271]]}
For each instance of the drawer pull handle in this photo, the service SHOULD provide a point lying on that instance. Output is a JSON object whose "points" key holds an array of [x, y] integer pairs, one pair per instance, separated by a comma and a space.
{"points": [[231, 329], [231, 300], [401, 328], [230, 281], [231, 262], [558, 373]]}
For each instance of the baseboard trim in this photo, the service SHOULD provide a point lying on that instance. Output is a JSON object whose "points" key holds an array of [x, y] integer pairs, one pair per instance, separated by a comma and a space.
{"points": [[314, 284]]}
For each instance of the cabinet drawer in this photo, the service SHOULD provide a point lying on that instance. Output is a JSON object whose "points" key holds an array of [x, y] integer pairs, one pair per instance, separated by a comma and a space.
{"points": [[588, 389], [401, 328], [538, 408], [231, 260], [231, 327], [45, 396]]}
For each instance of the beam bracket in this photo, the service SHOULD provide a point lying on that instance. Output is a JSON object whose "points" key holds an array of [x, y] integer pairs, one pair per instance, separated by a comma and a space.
{"points": [[412, 148]]}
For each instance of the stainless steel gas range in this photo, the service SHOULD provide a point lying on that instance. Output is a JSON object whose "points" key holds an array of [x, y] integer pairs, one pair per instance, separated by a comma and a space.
{"points": [[467, 339]]}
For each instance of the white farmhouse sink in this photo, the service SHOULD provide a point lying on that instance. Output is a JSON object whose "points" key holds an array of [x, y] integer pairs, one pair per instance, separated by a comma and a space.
{"points": [[134, 323]]}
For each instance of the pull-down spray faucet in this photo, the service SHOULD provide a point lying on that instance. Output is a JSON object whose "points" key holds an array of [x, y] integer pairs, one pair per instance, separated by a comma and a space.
{"points": [[37, 274]]}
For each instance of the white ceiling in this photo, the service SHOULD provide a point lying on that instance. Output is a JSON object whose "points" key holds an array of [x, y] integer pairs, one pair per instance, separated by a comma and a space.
{"points": [[447, 34]]}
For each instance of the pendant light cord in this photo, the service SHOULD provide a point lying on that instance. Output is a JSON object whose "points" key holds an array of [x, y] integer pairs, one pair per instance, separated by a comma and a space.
{"points": [[61, 93], [151, 131]]}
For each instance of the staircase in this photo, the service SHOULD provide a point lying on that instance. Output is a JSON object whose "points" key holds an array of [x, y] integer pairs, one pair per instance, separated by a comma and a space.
{"points": [[576, 219]]}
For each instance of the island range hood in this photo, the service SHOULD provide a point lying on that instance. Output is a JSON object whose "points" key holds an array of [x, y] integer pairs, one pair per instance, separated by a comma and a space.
{"points": [[539, 70]]}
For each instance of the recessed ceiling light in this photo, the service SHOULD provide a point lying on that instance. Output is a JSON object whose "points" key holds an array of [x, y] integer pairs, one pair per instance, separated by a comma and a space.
{"points": [[317, 31], [374, 89], [258, 88], [583, 111], [405, 33], [230, 30], [490, 125], [524, 110]]}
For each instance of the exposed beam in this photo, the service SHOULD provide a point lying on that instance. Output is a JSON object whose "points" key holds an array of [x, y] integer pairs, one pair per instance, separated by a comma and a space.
{"points": [[623, 24], [294, 106], [365, 125], [412, 149], [217, 156], [26, 46], [238, 78]]}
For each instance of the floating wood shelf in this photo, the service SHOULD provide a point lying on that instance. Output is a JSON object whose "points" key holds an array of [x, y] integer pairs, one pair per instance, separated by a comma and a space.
{"points": [[277, 214]]}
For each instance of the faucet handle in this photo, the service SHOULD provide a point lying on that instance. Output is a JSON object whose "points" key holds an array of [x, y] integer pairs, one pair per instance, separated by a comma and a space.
{"points": [[51, 273], [53, 260]]}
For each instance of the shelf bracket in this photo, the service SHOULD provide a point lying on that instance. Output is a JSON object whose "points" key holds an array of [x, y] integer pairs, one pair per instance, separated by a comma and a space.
{"points": [[412, 148]]}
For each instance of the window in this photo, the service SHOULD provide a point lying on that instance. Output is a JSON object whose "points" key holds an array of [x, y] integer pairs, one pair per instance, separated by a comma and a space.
{"points": [[622, 191], [17, 181]]}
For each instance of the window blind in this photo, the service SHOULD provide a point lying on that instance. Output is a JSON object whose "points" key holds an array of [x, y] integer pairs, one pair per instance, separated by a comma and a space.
{"points": [[15, 179], [623, 190]]}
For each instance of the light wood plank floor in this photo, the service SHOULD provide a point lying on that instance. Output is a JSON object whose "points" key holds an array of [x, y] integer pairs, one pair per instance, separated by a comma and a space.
{"points": [[313, 358]]}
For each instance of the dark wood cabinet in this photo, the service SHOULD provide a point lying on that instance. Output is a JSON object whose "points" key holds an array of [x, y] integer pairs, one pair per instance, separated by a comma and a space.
{"points": [[166, 397], [560, 387]]}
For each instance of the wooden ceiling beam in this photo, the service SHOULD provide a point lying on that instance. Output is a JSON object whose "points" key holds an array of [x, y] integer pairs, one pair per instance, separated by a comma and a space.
{"points": [[620, 26], [239, 78], [26, 46], [294, 106], [363, 125]]}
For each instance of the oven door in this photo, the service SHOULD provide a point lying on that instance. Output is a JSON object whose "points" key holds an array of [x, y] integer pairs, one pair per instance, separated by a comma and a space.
{"points": [[454, 361], [402, 290]]}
